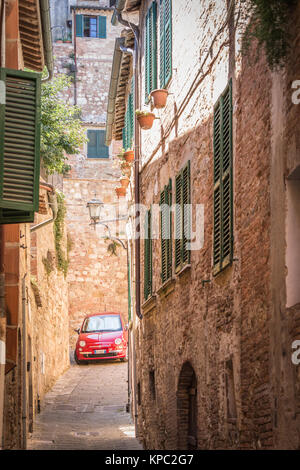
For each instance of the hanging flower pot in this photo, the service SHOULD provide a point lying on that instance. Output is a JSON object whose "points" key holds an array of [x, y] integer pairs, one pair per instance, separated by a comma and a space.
{"points": [[159, 98], [124, 182], [145, 119], [129, 156], [121, 192]]}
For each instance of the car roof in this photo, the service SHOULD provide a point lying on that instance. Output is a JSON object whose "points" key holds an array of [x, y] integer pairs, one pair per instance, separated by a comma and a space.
{"points": [[101, 313]]}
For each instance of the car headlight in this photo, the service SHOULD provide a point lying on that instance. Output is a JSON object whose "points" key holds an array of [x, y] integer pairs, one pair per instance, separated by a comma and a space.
{"points": [[82, 343], [118, 341]]}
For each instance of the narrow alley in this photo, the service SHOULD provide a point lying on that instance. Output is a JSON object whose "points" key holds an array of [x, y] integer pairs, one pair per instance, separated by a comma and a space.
{"points": [[86, 410]]}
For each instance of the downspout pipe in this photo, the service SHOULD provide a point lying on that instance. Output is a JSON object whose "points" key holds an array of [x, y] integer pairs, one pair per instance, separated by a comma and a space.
{"points": [[24, 366], [47, 38], [53, 204]]}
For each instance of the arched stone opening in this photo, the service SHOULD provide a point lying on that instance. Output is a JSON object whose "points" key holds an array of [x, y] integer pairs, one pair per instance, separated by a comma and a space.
{"points": [[187, 408]]}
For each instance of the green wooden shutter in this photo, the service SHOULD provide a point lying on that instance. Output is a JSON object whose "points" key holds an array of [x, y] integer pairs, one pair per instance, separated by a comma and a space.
{"points": [[223, 204], [96, 144], [178, 220], [102, 27], [79, 26], [102, 149], [186, 225], [166, 232], [20, 140], [148, 256], [151, 51], [183, 219], [10, 216], [165, 51]]}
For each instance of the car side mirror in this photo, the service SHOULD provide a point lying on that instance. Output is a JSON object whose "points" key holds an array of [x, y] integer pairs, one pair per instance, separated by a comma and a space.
{"points": [[77, 330]]}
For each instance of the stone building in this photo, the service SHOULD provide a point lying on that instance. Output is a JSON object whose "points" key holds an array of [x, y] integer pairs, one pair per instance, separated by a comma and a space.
{"points": [[216, 365], [33, 308], [97, 279]]}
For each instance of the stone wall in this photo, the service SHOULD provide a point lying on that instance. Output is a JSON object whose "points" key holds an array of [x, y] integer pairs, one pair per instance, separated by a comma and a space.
{"points": [[232, 330], [43, 307]]}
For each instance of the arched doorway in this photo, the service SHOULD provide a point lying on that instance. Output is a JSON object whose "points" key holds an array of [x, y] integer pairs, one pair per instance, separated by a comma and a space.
{"points": [[187, 408]]}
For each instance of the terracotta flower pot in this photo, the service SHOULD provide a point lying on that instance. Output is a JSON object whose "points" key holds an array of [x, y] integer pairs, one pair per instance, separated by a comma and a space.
{"points": [[146, 120], [159, 98], [120, 191], [129, 156], [124, 182]]}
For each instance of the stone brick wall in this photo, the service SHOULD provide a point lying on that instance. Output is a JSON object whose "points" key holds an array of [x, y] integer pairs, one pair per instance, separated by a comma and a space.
{"points": [[46, 317], [233, 331]]}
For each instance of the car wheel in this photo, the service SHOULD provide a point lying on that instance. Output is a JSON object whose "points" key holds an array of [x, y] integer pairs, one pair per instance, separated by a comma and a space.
{"points": [[80, 363]]}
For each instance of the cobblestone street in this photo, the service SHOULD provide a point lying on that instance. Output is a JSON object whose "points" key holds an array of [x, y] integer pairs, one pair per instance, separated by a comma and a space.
{"points": [[86, 410]]}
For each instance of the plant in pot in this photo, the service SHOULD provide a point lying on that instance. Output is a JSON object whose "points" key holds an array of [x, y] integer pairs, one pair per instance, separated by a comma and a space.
{"points": [[126, 155], [159, 98], [145, 119], [120, 191], [124, 180]]}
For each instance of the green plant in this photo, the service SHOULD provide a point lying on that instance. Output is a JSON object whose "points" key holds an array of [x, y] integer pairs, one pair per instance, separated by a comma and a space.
{"points": [[269, 26], [139, 112], [61, 130], [47, 265], [62, 259], [112, 247]]}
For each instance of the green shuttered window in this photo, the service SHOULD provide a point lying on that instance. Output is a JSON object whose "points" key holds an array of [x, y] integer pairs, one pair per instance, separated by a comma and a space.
{"points": [[96, 144], [182, 217], [151, 51], [91, 26], [166, 232], [148, 256], [165, 46], [128, 129], [20, 98], [223, 191]]}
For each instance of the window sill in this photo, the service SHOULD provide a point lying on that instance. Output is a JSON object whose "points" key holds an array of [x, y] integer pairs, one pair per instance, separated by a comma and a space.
{"points": [[186, 268], [149, 304], [167, 287]]}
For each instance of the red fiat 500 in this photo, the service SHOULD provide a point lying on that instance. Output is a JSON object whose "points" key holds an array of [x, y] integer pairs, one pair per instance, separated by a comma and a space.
{"points": [[102, 336]]}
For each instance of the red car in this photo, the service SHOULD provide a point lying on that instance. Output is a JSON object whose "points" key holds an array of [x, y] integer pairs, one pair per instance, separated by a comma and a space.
{"points": [[102, 336]]}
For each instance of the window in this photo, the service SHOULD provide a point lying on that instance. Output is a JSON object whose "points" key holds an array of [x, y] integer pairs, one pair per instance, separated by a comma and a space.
{"points": [[165, 45], [128, 130], [148, 256], [151, 51], [91, 26], [19, 146], [223, 205], [96, 147], [183, 221], [166, 232]]}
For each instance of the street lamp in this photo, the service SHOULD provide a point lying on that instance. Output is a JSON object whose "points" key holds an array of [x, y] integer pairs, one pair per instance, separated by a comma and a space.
{"points": [[94, 206]]}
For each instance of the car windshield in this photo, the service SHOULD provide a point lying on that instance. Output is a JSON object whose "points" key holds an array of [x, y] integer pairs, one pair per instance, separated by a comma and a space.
{"points": [[102, 323]]}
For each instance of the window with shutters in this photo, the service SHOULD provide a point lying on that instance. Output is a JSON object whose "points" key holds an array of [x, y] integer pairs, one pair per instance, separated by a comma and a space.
{"points": [[151, 51], [91, 26], [166, 232], [182, 217], [128, 129], [148, 256], [165, 42], [96, 147], [19, 145], [223, 204]]}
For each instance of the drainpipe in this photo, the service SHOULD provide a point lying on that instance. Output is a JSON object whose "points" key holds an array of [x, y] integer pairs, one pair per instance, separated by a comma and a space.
{"points": [[24, 364], [2, 272], [75, 58], [53, 204], [47, 38]]}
